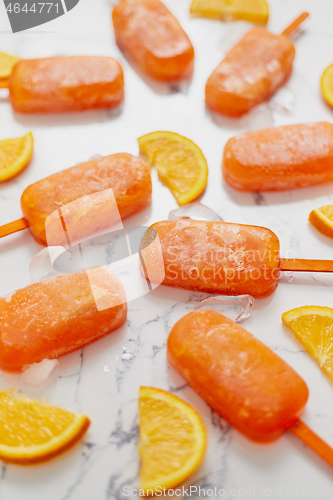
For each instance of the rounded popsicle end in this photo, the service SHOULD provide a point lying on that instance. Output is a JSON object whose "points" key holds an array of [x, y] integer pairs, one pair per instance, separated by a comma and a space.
{"points": [[243, 380]]}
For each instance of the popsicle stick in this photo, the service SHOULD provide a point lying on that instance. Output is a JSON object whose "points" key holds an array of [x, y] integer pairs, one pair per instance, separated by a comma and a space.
{"points": [[13, 227], [4, 83], [293, 26], [305, 434], [307, 265]]}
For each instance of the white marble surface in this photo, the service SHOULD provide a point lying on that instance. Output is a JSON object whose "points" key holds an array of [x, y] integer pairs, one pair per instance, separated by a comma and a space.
{"points": [[99, 380]]}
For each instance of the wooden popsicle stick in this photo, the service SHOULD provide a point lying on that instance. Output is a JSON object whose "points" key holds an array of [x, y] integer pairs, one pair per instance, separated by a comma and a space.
{"points": [[293, 26], [307, 265], [4, 83], [310, 438], [13, 227]]}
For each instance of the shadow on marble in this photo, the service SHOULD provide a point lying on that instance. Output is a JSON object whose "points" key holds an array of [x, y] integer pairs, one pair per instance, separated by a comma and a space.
{"points": [[140, 218], [311, 280], [191, 297], [84, 355], [258, 118], [246, 198], [21, 238], [160, 88], [319, 236], [311, 456], [80, 118]]}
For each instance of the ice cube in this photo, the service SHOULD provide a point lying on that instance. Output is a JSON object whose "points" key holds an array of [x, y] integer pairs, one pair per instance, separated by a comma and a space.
{"points": [[196, 211], [38, 374], [237, 308], [41, 266], [283, 101]]}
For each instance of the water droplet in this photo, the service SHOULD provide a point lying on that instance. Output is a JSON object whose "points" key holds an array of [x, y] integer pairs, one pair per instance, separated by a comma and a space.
{"points": [[126, 354], [107, 367], [290, 276]]}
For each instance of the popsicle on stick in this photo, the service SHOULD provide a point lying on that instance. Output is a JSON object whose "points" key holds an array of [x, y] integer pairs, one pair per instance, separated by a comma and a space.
{"points": [[221, 257], [127, 175], [65, 84], [280, 158], [243, 380], [58, 315], [153, 39], [255, 68]]}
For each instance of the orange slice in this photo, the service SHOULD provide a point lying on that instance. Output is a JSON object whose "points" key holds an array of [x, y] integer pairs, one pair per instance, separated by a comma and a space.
{"points": [[313, 328], [179, 162], [15, 155], [326, 85], [255, 11], [6, 64], [32, 432], [322, 219], [172, 442]]}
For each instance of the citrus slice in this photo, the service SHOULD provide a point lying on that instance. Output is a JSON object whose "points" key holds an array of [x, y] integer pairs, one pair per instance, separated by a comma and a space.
{"points": [[15, 155], [179, 162], [172, 442], [322, 219], [313, 328], [6, 64], [326, 85], [32, 432], [255, 11]]}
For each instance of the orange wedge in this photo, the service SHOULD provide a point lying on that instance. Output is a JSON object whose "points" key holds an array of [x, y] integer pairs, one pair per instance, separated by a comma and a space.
{"points": [[322, 219], [15, 155], [7, 63], [313, 328], [326, 85], [179, 162], [32, 432], [172, 442], [254, 11]]}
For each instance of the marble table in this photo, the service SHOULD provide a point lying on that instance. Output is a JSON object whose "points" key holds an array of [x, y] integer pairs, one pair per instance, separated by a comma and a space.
{"points": [[103, 379]]}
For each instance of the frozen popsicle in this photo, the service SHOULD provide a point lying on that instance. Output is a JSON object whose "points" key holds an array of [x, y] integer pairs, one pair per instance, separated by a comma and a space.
{"points": [[221, 257], [57, 316], [243, 380], [278, 158], [153, 39], [63, 84], [255, 68], [127, 175]]}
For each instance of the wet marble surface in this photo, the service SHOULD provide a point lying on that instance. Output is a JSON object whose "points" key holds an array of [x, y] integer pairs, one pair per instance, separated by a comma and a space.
{"points": [[103, 379]]}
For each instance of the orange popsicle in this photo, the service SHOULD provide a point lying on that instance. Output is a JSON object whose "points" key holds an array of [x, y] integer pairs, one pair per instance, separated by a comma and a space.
{"points": [[61, 84], [217, 257], [243, 380], [278, 158], [127, 175], [57, 316], [251, 72], [153, 39]]}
